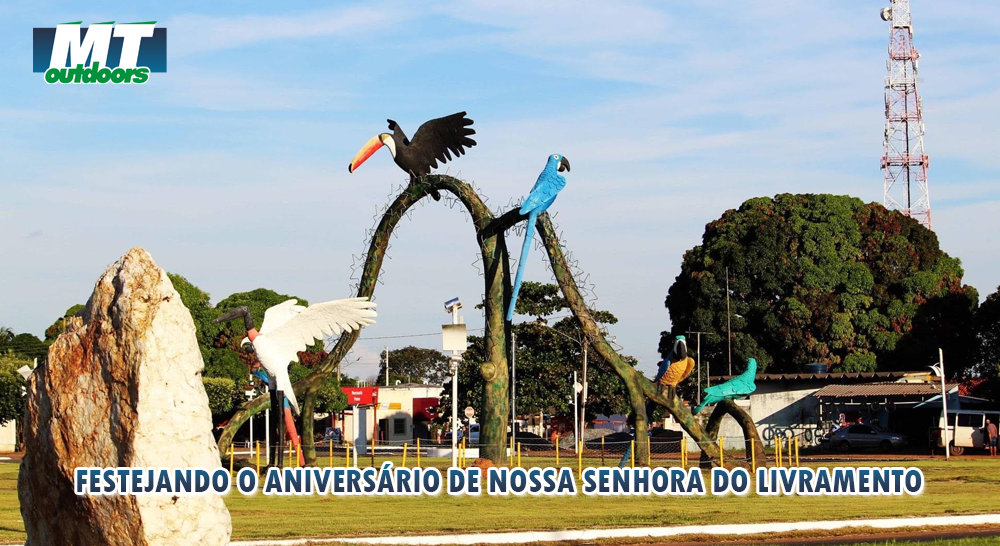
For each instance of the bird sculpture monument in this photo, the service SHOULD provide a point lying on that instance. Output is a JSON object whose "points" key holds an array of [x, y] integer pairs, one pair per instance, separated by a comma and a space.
{"points": [[737, 387], [435, 141], [676, 367], [288, 329], [542, 195]]}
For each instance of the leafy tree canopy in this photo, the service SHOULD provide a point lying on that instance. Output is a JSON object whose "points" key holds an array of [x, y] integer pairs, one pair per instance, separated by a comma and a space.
{"points": [[11, 383], [414, 365], [52, 332], [24, 345], [824, 278]]}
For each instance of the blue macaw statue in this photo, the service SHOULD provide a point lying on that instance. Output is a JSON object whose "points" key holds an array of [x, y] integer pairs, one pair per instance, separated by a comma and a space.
{"points": [[737, 387], [542, 195]]}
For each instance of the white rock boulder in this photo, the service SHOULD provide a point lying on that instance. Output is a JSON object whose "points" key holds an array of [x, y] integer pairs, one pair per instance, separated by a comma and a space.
{"points": [[122, 387]]}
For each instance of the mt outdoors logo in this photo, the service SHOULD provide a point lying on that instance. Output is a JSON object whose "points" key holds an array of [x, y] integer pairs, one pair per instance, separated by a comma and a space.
{"points": [[100, 53]]}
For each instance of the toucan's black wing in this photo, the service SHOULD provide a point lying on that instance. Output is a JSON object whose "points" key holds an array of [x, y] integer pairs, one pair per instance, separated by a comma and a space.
{"points": [[438, 139]]}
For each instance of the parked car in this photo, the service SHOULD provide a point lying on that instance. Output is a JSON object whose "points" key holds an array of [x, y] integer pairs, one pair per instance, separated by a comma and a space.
{"points": [[473, 434], [965, 429], [333, 435], [865, 437]]}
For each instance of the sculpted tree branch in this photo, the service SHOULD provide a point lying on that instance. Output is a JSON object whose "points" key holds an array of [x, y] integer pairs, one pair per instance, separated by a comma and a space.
{"points": [[639, 388], [497, 280]]}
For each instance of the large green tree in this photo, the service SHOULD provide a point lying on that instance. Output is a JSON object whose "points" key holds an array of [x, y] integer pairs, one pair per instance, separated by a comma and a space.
{"points": [[988, 331], [413, 365], [824, 278]]}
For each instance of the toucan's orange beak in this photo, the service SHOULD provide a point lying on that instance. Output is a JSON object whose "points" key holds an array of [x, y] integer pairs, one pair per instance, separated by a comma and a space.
{"points": [[366, 151]]}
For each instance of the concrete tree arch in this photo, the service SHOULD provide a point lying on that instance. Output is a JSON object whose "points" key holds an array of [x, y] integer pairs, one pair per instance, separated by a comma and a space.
{"points": [[495, 371], [497, 278]]}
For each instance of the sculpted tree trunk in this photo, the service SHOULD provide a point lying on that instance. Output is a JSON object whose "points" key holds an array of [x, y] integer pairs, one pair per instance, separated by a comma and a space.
{"points": [[753, 445], [497, 284]]}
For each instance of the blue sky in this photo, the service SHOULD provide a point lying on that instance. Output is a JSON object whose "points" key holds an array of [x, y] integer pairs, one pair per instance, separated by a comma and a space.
{"points": [[671, 113]]}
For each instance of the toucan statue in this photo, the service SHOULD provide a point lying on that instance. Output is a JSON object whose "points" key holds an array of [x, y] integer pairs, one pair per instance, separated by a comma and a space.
{"points": [[737, 387], [676, 367], [289, 328], [435, 141], [542, 195]]}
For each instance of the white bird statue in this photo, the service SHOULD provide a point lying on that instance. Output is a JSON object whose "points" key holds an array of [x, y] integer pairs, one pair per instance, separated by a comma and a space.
{"points": [[288, 329]]}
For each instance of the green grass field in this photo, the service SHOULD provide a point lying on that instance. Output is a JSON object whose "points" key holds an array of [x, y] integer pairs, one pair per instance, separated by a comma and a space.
{"points": [[954, 487]]}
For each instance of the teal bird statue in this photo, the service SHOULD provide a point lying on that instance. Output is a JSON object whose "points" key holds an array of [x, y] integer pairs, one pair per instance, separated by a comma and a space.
{"points": [[737, 387]]}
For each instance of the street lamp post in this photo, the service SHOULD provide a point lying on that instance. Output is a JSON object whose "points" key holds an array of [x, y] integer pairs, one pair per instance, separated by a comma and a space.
{"points": [[454, 339]]}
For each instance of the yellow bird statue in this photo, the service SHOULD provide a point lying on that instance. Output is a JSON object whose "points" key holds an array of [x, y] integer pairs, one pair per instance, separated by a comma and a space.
{"points": [[676, 367]]}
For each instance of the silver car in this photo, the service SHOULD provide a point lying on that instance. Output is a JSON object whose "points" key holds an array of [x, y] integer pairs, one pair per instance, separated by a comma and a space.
{"points": [[865, 437]]}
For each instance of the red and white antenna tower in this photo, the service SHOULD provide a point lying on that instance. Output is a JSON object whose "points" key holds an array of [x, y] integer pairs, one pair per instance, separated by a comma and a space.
{"points": [[904, 161]]}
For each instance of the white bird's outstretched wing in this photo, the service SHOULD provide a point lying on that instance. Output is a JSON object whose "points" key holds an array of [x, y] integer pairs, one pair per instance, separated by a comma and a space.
{"points": [[304, 325], [280, 314]]}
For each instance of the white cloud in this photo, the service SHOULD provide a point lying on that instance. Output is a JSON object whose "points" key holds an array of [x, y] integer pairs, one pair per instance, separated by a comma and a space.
{"points": [[194, 33]]}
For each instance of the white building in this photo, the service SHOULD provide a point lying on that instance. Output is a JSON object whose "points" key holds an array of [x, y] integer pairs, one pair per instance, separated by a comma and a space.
{"points": [[805, 405], [402, 414]]}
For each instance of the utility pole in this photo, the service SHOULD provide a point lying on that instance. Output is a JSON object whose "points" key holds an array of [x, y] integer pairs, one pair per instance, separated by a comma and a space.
{"points": [[698, 350], [939, 368], [729, 329], [386, 365]]}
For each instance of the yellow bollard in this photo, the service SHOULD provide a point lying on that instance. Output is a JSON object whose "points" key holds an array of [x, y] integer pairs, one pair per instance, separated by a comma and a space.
{"points": [[796, 451], [347, 455], [579, 459], [633, 453], [418, 452], [329, 447], [519, 454], [258, 458], [557, 452], [511, 452], [753, 455], [722, 451], [649, 452], [295, 457], [683, 452], [602, 450], [230, 458], [778, 445], [404, 454]]}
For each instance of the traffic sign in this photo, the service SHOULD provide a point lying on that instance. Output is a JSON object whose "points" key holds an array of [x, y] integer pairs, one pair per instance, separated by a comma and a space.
{"points": [[469, 412]]}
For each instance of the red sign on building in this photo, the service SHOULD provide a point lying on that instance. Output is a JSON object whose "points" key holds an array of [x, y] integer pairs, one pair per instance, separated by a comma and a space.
{"points": [[361, 396]]}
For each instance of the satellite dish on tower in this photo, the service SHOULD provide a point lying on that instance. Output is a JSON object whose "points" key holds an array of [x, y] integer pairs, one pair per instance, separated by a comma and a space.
{"points": [[886, 14]]}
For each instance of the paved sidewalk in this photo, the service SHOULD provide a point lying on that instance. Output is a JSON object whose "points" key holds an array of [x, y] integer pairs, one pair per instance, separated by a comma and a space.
{"points": [[640, 532]]}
